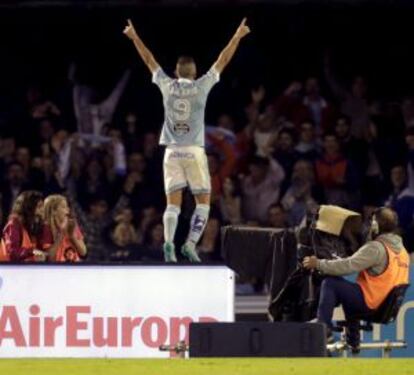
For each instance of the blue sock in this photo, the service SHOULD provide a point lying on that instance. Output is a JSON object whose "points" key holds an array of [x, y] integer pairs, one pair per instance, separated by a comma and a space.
{"points": [[198, 224]]}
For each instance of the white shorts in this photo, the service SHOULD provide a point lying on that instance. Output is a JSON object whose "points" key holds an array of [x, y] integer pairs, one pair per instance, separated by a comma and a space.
{"points": [[186, 166]]}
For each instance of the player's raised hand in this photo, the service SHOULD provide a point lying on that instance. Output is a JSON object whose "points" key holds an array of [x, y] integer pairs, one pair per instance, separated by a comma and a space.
{"points": [[243, 29], [129, 30]]}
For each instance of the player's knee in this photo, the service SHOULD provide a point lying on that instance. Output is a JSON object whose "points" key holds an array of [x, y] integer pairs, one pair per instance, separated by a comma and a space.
{"points": [[174, 198], [202, 199]]}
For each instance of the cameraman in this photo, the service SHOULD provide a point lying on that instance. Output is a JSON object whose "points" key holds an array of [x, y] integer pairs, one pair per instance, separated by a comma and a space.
{"points": [[382, 264]]}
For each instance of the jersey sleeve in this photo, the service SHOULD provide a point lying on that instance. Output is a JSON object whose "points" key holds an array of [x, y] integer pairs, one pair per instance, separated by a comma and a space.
{"points": [[161, 79], [208, 80]]}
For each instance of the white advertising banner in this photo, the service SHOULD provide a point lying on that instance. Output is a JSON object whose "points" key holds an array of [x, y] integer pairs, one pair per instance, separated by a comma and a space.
{"points": [[107, 311]]}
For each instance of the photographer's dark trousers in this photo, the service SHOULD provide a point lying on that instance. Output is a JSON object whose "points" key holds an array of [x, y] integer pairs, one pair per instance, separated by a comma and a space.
{"points": [[337, 291]]}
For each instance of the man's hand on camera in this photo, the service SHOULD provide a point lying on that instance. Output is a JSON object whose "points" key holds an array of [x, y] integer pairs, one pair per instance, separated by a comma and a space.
{"points": [[310, 263]]}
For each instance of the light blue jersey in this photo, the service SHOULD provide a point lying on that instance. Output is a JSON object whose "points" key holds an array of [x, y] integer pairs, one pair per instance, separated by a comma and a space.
{"points": [[184, 107]]}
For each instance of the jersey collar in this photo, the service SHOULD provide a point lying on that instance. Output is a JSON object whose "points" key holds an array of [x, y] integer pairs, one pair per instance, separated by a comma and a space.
{"points": [[184, 80]]}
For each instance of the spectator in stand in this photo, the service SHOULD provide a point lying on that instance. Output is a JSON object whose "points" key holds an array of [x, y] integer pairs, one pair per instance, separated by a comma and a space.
{"points": [[153, 156], [22, 235], [283, 150], [221, 163], [23, 157], [401, 200], [352, 148], [261, 187], [93, 182], [409, 140], [15, 183], [7, 150], [353, 102], [297, 108], [225, 121], [245, 140], [383, 153], [276, 216], [131, 130], [335, 175], [97, 219], [264, 132], [307, 147], [147, 216], [38, 106], [151, 249], [209, 244], [91, 115], [407, 108], [288, 105], [62, 238], [144, 193], [230, 201], [298, 199], [124, 235], [317, 108]]}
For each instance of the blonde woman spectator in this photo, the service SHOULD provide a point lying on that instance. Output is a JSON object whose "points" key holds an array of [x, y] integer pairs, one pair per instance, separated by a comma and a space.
{"points": [[62, 238]]}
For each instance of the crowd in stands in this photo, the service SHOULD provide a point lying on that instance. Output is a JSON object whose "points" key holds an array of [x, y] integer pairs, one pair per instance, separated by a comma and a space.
{"points": [[291, 152]]}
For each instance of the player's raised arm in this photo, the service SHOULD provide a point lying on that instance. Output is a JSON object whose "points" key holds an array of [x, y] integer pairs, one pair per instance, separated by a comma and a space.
{"points": [[228, 52], [143, 51]]}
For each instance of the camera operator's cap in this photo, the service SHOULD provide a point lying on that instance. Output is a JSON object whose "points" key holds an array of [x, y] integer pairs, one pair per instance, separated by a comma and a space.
{"points": [[331, 219]]}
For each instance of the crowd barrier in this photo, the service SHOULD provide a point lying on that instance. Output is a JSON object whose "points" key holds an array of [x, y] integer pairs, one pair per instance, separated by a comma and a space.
{"points": [[115, 311]]}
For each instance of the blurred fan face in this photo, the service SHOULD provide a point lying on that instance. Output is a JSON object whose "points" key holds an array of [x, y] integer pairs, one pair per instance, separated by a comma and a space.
{"points": [[265, 122], [312, 86], [157, 234], [99, 209], [127, 215], [228, 186], [398, 177], [331, 145], [342, 128], [136, 163], [277, 217], [46, 129], [285, 142], [8, 146], [257, 172], [15, 174], [307, 133], [303, 170], [226, 122], [94, 169], [359, 87], [23, 155]]}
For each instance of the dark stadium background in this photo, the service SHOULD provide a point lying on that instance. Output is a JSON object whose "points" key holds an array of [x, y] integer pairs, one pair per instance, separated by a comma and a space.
{"points": [[38, 40]]}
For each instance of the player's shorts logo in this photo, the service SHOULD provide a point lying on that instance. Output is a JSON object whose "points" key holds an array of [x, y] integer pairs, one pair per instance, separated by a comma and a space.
{"points": [[181, 129]]}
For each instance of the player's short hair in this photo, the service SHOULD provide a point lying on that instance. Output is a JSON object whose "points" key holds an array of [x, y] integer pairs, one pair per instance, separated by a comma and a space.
{"points": [[185, 67]]}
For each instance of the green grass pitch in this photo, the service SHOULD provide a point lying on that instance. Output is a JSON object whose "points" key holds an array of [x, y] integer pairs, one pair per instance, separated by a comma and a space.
{"points": [[213, 366]]}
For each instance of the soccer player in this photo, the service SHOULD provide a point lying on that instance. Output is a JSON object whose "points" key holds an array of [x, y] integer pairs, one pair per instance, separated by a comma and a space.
{"points": [[185, 162]]}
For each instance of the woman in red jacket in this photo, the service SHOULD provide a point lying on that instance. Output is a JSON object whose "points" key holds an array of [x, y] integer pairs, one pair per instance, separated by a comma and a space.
{"points": [[21, 240], [62, 238]]}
